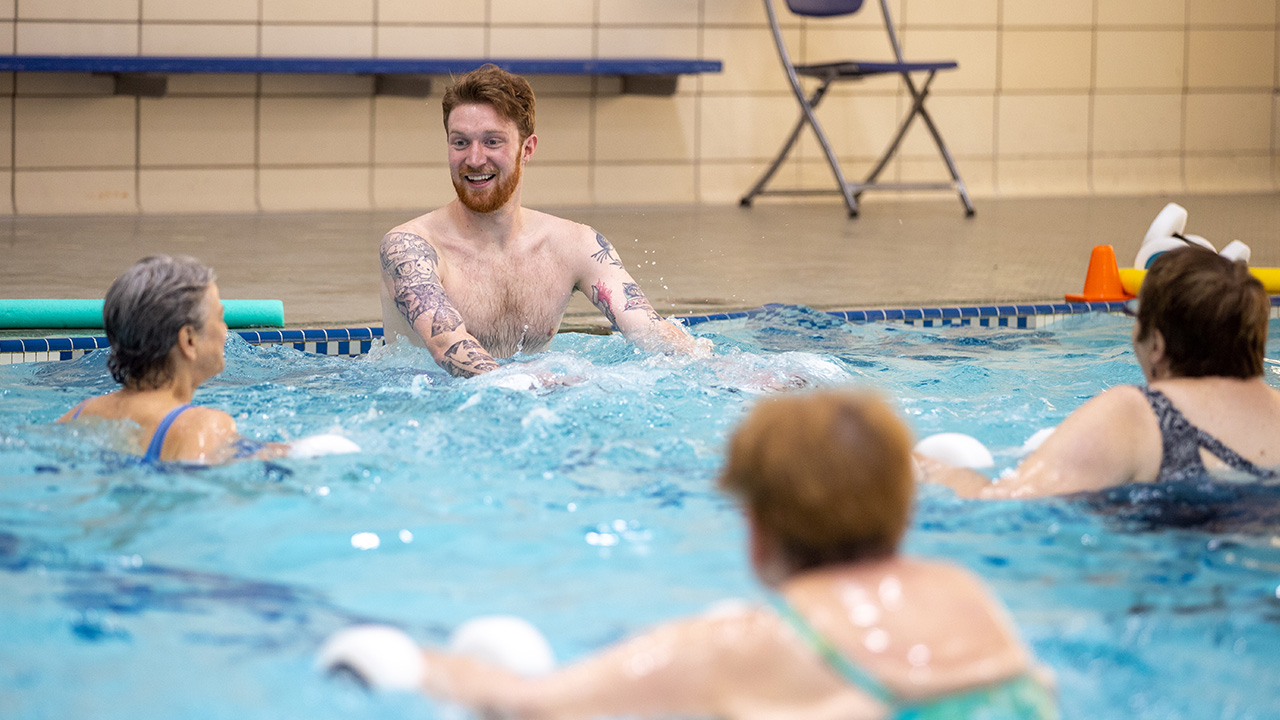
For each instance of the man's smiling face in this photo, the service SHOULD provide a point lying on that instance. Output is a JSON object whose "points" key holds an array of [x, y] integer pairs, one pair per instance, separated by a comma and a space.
{"points": [[486, 157]]}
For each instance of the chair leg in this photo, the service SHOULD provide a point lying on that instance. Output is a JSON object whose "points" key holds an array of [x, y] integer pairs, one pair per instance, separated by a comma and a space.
{"points": [[951, 165], [782, 155], [917, 108], [917, 105], [846, 190], [807, 116]]}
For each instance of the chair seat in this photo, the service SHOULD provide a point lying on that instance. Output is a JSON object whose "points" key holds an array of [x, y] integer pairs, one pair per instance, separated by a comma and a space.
{"points": [[857, 69], [915, 77]]}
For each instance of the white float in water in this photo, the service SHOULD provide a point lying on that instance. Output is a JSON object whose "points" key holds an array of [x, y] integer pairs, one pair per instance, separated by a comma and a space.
{"points": [[956, 449], [517, 381], [319, 445], [383, 657], [505, 640], [1037, 439]]}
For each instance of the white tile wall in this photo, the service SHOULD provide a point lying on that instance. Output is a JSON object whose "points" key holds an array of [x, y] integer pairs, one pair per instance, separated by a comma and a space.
{"points": [[197, 131], [76, 38], [317, 40], [202, 190], [78, 10], [317, 11], [314, 131], [199, 39], [1072, 96], [187, 11]]}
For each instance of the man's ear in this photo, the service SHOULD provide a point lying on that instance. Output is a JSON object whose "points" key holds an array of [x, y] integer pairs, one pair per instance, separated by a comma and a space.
{"points": [[526, 150]]}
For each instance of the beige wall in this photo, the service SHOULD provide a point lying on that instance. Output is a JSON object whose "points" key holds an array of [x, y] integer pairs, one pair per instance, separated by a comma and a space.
{"points": [[1064, 97]]}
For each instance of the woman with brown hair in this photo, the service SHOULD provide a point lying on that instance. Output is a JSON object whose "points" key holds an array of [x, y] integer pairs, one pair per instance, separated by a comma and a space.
{"points": [[1200, 339], [855, 630]]}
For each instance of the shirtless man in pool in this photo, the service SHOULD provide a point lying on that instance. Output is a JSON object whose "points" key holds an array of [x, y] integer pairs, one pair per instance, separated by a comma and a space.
{"points": [[483, 277]]}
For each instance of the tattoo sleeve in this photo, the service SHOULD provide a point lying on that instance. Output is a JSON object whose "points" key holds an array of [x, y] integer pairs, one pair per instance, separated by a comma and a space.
{"points": [[606, 253], [411, 264], [602, 298], [466, 358], [637, 301]]}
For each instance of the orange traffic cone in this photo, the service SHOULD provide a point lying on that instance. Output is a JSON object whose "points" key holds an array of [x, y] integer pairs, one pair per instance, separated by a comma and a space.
{"points": [[1102, 283]]}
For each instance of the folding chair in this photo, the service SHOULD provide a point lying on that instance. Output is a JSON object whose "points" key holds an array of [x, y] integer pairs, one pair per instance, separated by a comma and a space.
{"points": [[831, 72]]}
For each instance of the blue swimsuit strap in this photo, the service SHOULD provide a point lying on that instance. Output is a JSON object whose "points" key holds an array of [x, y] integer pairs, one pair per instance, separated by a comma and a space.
{"points": [[78, 408], [1182, 442], [157, 440], [844, 667]]}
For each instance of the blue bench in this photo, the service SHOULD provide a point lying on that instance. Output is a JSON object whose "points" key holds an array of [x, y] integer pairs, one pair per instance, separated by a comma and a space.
{"points": [[147, 76]]}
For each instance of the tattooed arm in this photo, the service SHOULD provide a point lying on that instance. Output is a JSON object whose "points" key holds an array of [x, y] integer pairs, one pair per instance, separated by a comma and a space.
{"points": [[611, 289], [410, 272]]}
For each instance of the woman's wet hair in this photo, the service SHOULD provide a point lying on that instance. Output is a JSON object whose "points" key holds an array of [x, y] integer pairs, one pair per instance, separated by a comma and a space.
{"points": [[508, 94], [828, 476], [143, 312], [1210, 310]]}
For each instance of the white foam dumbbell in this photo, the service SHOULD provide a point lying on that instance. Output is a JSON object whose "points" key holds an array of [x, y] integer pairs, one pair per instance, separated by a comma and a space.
{"points": [[956, 449], [379, 656], [505, 640], [319, 445]]}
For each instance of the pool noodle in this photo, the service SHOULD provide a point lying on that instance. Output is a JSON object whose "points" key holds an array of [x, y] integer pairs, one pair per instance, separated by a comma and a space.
{"points": [[1131, 279], [87, 314]]}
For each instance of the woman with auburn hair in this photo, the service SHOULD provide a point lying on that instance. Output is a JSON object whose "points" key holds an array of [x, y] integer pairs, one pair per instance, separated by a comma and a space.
{"points": [[853, 629], [1200, 339]]}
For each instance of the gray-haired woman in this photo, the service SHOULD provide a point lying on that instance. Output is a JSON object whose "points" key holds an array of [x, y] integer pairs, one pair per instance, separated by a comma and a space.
{"points": [[163, 318]]}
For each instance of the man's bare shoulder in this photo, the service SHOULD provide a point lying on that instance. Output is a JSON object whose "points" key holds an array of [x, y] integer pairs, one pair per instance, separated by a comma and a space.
{"points": [[560, 229], [425, 226]]}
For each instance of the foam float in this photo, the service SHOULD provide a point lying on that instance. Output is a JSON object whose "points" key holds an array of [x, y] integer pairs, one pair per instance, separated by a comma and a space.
{"points": [[1106, 281], [956, 449], [314, 446], [43, 313], [384, 658]]}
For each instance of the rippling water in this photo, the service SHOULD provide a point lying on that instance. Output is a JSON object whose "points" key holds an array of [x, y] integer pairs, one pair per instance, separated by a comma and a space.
{"points": [[133, 592]]}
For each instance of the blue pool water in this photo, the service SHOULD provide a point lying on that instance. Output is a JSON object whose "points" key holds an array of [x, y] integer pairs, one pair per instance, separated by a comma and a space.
{"points": [[132, 592]]}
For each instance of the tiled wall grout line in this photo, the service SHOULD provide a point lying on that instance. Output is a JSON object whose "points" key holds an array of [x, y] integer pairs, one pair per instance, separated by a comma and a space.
{"points": [[1093, 84], [13, 118], [996, 96], [1186, 83], [593, 114], [697, 106]]}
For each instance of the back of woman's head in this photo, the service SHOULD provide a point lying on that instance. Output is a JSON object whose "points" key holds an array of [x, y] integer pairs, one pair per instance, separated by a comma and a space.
{"points": [[1211, 312], [828, 476], [143, 312]]}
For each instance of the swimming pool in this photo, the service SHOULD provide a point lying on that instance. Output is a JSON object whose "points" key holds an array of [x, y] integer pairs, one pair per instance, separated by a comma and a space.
{"points": [[589, 509]]}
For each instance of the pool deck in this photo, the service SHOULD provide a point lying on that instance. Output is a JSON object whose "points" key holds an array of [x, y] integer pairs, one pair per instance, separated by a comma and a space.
{"points": [[689, 259]]}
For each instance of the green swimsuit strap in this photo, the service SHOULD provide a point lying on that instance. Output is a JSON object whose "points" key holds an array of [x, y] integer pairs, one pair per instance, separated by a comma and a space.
{"points": [[833, 657]]}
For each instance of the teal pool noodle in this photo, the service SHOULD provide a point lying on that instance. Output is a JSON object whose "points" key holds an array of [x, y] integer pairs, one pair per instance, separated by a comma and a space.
{"points": [[87, 314]]}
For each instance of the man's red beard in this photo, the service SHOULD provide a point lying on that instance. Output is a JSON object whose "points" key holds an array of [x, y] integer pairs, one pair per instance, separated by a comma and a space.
{"points": [[491, 198]]}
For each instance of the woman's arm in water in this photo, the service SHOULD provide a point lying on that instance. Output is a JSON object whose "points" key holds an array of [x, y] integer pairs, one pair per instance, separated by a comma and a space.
{"points": [[1104, 443], [713, 665], [209, 436]]}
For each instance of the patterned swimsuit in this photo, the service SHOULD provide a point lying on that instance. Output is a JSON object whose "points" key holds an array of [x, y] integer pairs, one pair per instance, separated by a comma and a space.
{"points": [[1180, 456]]}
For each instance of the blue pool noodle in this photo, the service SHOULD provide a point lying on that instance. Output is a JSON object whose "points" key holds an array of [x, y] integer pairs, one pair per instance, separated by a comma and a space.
{"points": [[87, 314]]}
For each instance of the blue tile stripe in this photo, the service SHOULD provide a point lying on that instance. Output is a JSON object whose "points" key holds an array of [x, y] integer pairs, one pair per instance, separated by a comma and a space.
{"points": [[360, 340], [940, 313]]}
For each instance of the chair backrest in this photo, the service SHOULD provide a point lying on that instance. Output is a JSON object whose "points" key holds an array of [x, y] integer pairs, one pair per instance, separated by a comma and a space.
{"points": [[824, 8]]}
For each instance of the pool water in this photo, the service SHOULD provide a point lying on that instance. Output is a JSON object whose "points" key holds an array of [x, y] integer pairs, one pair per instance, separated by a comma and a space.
{"points": [[590, 509]]}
